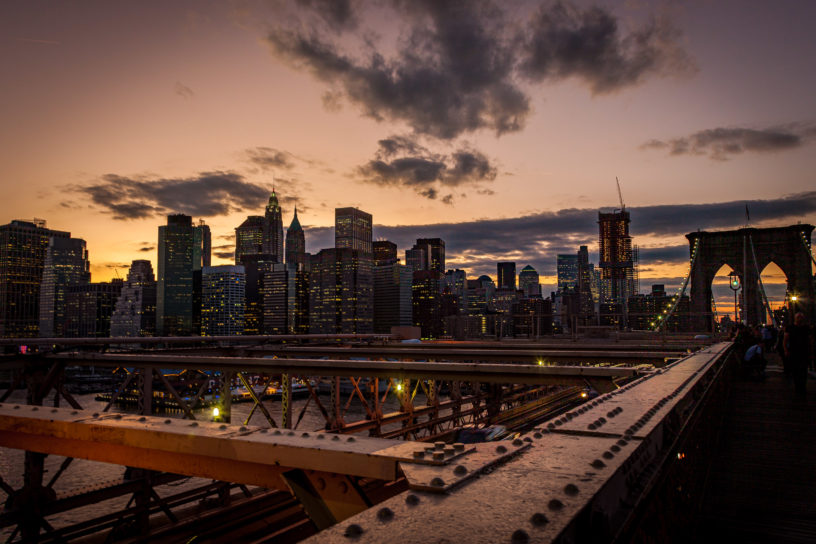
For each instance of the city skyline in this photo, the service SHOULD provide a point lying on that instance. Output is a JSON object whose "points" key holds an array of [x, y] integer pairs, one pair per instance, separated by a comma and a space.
{"points": [[237, 99]]}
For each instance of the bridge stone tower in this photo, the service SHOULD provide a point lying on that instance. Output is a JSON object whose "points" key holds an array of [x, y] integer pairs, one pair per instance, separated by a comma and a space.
{"points": [[782, 245]]}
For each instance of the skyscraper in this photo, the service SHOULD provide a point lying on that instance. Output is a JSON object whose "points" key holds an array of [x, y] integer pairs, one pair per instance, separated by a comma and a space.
{"points": [[455, 282], [295, 243], [353, 229], [341, 292], [66, 264], [273, 229], [427, 302], [529, 282], [392, 294], [89, 307], [506, 275], [586, 305], [616, 263], [184, 250], [23, 248], [249, 238], [567, 271], [286, 299], [385, 252], [135, 311], [222, 300]]}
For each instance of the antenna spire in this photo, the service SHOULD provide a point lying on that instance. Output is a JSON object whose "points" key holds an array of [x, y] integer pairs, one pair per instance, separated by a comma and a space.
{"points": [[620, 196]]}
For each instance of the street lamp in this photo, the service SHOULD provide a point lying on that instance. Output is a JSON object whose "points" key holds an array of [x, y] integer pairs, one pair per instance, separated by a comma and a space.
{"points": [[734, 284]]}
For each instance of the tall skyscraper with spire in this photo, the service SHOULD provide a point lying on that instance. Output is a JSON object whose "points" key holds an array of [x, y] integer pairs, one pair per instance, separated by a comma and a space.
{"points": [[295, 242], [273, 229]]}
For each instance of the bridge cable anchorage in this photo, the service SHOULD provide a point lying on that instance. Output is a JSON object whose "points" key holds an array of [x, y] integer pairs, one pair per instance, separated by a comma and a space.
{"points": [[661, 320], [759, 279]]}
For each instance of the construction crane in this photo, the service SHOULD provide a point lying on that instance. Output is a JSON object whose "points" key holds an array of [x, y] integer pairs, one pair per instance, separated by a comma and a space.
{"points": [[620, 196]]}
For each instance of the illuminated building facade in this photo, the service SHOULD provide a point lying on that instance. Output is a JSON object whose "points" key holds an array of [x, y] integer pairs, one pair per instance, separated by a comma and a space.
{"points": [[66, 264], [23, 248], [273, 229], [385, 252], [222, 300], [567, 271], [426, 299], [341, 292], [615, 260], [353, 230], [184, 250], [529, 282], [135, 310], [249, 238], [286, 299]]}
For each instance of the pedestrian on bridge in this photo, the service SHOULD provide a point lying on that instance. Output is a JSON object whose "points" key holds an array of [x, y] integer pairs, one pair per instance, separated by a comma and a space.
{"points": [[798, 343]]}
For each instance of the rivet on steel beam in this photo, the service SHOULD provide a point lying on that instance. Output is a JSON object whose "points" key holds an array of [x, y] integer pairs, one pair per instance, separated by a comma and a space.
{"points": [[17, 407], [555, 504], [438, 482], [551, 426], [520, 537], [460, 470], [242, 428], [528, 439], [439, 445], [592, 426], [608, 455], [264, 431], [351, 439], [143, 418], [518, 442], [321, 436], [305, 435], [571, 489], [222, 427], [353, 531], [193, 424], [539, 519], [167, 422], [290, 433], [385, 514], [412, 500], [537, 435], [615, 448], [95, 414], [34, 408], [276, 432], [501, 449], [558, 422], [53, 410], [419, 454], [459, 446], [335, 438], [597, 463], [321, 484], [117, 416]]}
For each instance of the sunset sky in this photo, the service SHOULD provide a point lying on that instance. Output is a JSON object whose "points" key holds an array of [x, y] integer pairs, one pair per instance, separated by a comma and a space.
{"points": [[497, 126]]}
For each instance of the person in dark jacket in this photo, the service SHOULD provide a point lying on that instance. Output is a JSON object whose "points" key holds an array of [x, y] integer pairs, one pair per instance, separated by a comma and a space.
{"points": [[797, 351]]}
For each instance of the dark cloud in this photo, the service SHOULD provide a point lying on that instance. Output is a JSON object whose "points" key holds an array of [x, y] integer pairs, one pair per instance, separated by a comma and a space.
{"points": [[339, 14], [183, 91], [269, 158], [146, 249], [402, 161], [721, 143], [206, 195], [536, 239], [456, 66], [224, 251], [564, 41]]}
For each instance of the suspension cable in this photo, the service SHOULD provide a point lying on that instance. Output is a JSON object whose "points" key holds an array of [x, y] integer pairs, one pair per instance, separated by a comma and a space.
{"points": [[759, 280], [661, 320]]}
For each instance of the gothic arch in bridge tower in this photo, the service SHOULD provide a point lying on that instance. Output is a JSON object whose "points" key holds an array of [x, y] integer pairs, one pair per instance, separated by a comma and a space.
{"points": [[785, 246]]}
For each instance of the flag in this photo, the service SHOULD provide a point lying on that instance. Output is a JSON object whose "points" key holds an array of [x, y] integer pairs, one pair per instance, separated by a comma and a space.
{"points": [[747, 215]]}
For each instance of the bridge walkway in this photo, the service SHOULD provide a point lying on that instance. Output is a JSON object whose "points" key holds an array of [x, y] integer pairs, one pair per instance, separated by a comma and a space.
{"points": [[762, 483]]}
